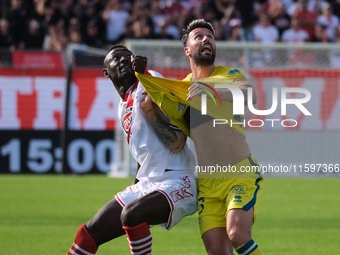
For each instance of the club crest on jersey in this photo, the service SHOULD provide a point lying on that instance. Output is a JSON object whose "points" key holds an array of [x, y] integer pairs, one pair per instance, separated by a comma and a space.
{"points": [[127, 119], [241, 189]]}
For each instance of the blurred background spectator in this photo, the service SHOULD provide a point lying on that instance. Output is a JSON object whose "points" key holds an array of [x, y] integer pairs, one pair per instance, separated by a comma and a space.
{"points": [[247, 10], [265, 32], [52, 24], [235, 31], [5, 37], [334, 55], [56, 38], [295, 34], [92, 37], [34, 36], [17, 18], [115, 17], [320, 34], [278, 15], [306, 17], [336, 8], [328, 19]]}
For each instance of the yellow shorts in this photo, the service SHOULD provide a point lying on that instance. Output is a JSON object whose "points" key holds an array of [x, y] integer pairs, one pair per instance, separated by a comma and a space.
{"points": [[216, 196]]}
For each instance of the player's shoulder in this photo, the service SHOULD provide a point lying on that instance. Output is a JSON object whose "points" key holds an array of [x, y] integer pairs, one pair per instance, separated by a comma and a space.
{"points": [[227, 71], [236, 75], [188, 77]]}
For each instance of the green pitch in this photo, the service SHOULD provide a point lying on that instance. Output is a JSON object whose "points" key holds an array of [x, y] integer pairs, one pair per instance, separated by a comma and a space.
{"points": [[40, 214]]}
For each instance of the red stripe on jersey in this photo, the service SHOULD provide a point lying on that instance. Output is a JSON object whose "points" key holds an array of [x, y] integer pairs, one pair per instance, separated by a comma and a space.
{"points": [[129, 91], [129, 98], [147, 72], [127, 118]]}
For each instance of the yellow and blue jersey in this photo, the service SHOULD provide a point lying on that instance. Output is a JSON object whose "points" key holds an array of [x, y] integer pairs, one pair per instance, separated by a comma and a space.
{"points": [[170, 96]]}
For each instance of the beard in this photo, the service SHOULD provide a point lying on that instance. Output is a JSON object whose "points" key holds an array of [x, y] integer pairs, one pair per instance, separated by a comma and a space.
{"points": [[203, 60]]}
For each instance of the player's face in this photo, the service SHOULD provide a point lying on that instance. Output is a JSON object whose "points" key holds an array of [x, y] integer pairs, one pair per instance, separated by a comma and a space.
{"points": [[118, 65], [201, 46]]}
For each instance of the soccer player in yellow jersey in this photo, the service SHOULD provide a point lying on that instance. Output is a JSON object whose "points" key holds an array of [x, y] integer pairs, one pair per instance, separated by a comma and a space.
{"points": [[227, 206]]}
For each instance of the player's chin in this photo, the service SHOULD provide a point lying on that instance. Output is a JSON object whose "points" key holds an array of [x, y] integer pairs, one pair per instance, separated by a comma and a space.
{"points": [[207, 55], [127, 71], [126, 74], [208, 58]]}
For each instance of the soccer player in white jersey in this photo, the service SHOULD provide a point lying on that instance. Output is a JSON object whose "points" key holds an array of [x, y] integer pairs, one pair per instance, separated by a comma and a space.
{"points": [[165, 187]]}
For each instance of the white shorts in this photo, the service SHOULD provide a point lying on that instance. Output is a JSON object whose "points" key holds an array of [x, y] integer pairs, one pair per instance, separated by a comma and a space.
{"points": [[179, 187]]}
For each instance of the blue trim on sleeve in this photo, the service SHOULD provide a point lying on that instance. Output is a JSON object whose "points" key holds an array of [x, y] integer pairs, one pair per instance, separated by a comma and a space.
{"points": [[253, 201]]}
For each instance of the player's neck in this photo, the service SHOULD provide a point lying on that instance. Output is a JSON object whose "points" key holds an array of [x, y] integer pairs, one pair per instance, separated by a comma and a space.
{"points": [[123, 89], [199, 72]]}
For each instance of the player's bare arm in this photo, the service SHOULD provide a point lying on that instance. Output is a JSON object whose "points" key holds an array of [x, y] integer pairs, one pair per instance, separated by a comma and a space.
{"points": [[174, 140]]}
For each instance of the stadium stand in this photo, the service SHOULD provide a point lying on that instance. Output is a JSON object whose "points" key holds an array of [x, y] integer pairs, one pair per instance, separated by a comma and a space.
{"points": [[53, 24]]}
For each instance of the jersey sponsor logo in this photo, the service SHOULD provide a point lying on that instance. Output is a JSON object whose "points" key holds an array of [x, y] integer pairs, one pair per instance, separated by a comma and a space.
{"points": [[239, 78], [240, 189], [239, 83], [237, 199], [127, 119], [233, 71], [181, 107]]}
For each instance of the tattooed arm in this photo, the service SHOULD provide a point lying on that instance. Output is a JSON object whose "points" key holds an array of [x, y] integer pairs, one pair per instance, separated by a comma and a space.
{"points": [[174, 140]]}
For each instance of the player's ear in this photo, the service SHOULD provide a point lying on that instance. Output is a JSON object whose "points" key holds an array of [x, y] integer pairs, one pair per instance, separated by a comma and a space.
{"points": [[106, 73], [187, 51]]}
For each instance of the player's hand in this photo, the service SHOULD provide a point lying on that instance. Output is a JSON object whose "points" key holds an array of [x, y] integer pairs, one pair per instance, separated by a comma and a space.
{"points": [[146, 104], [194, 91], [139, 63]]}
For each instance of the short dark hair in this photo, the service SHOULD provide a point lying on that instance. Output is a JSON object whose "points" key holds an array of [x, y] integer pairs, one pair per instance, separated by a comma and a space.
{"points": [[118, 46], [196, 24]]}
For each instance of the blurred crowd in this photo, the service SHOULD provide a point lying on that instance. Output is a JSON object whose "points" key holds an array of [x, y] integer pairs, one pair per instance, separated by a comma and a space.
{"points": [[53, 24]]}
